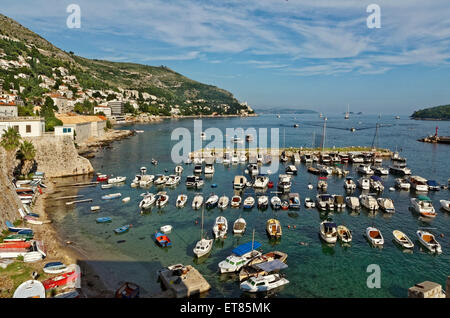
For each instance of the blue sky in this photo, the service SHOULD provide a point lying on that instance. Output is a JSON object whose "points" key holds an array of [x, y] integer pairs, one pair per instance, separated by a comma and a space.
{"points": [[314, 54]]}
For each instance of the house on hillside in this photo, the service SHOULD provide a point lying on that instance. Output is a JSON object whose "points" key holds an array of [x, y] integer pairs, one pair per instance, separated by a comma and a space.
{"points": [[82, 127]]}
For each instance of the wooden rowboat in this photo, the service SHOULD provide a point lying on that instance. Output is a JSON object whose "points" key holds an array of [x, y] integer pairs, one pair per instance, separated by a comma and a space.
{"points": [[402, 239]]}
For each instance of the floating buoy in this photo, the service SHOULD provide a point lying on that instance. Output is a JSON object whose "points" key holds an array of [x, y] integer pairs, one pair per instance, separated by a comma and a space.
{"points": [[196, 222], [289, 226], [442, 234], [295, 226]]}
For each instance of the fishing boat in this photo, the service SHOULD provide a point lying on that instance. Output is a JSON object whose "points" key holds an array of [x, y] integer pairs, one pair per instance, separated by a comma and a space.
{"points": [[223, 202], [325, 202], [275, 202], [402, 183], [197, 202], [162, 239], [339, 201], [13, 228], [263, 202], [249, 202], [352, 203], [117, 180], [173, 180], [349, 184], [328, 231], [194, 182], [322, 184], [418, 183], [239, 226], [386, 204], [273, 228], [220, 227], [309, 203], [236, 201], [291, 169], [161, 199], [344, 234], [181, 200], [30, 289], [239, 182], [368, 202], [241, 256], [203, 246], [128, 290], [445, 204], [111, 196], [402, 239], [102, 177], [148, 200], [374, 236], [294, 201], [284, 183], [424, 206], [429, 241], [106, 186], [212, 201], [104, 219], [261, 182], [122, 229], [63, 279], [263, 283]]}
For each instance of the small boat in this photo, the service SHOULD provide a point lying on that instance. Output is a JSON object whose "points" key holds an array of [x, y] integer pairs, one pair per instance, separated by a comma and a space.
{"points": [[253, 169], [376, 184], [339, 201], [239, 226], [106, 186], [179, 170], [325, 202], [263, 202], [328, 231], [249, 202], [352, 203], [223, 202], [386, 204], [181, 200], [263, 265], [239, 182], [291, 169], [418, 183], [380, 170], [374, 236], [154, 162], [55, 268], [220, 227], [122, 229], [433, 185], [349, 184], [111, 196], [148, 200], [160, 180], [12, 228], [212, 201], [261, 182], [402, 183], [365, 169], [275, 202], [194, 182], [263, 283], [428, 240], [166, 229], [162, 239], [161, 199], [61, 280], [402, 239], [294, 201], [30, 289], [18, 244], [95, 208], [273, 228], [117, 180], [368, 202], [445, 204], [197, 202], [270, 184], [284, 205], [128, 290], [322, 184], [309, 203], [125, 200], [364, 183], [68, 294], [313, 170], [173, 180], [102, 177], [203, 246], [236, 201], [104, 219], [18, 238], [344, 234], [198, 169], [241, 256], [424, 206], [209, 168], [284, 182]]}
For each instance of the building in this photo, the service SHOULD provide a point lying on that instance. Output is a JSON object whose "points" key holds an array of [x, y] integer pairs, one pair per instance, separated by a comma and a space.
{"points": [[103, 109], [8, 109], [82, 127], [62, 103], [26, 126], [117, 107]]}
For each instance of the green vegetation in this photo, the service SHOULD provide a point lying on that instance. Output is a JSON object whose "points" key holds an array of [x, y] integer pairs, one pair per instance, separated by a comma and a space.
{"points": [[47, 111], [10, 139], [438, 112]]}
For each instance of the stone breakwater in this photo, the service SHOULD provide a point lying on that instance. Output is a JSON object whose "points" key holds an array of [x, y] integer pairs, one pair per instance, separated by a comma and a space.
{"points": [[91, 146]]}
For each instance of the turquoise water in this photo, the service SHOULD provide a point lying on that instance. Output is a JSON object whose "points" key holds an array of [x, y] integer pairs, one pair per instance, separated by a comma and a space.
{"points": [[315, 269]]}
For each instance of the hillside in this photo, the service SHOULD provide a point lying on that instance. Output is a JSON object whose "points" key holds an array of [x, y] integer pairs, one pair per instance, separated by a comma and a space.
{"points": [[31, 67], [437, 113], [285, 111]]}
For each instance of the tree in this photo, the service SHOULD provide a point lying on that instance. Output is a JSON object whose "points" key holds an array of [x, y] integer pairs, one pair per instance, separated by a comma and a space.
{"points": [[26, 154], [10, 139]]}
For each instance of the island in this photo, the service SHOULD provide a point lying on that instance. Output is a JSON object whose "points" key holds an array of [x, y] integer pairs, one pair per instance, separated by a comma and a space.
{"points": [[433, 113]]}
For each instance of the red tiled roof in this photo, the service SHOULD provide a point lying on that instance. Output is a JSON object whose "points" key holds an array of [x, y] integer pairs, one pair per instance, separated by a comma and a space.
{"points": [[8, 104]]}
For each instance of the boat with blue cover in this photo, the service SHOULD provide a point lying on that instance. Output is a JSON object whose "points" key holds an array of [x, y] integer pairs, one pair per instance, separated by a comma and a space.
{"points": [[104, 219], [245, 248], [55, 268], [240, 257], [23, 230], [162, 239], [122, 229]]}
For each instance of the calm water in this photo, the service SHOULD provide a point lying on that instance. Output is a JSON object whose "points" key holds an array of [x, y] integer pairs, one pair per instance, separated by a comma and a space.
{"points": [[316, 269]]}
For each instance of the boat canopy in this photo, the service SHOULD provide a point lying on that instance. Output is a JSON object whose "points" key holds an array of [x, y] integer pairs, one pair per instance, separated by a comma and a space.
{"points": [[329, 225], [245, 248], [423, 198], [325, 196], [432, 183], [376, 178], [271, 266], [349, 178]]}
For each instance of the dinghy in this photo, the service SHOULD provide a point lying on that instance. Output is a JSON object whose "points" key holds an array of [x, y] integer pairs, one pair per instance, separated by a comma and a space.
{"points": [[263, 202], [223, 202], [32, 257], [166, 229], [197, 202], [104, 219], [55, 268], [122, 229], [181, 200], [374, 236], [12, 228], [162, 239], [63, 279], [239, 226], [212, 201], [95, 208], [125, 200], [106, 186], [344, 234], [273, 228], [236, 201], [30, 289], [111, 196], [402, 239], [249, 202], [428, 240], [220, 227], [161, 199], [328, 231]]}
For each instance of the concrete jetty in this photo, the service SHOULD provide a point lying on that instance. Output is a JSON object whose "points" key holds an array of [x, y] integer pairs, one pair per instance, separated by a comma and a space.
{"points": [[183, 281]]}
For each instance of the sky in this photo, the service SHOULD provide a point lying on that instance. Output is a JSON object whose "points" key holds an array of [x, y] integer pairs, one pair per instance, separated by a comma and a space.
{"points": [[309, 54]]}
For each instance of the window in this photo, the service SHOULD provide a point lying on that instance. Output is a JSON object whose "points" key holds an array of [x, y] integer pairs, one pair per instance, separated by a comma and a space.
{"points": [[28, 128], [16, 128]]}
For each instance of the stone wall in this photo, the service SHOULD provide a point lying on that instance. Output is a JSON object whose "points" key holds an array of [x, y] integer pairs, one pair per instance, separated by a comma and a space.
{"points": [[9, 201]]}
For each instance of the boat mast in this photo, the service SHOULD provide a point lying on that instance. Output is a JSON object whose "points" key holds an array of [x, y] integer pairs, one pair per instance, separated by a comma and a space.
{"points": [[323, 136], [201, 233], [253, 238]]}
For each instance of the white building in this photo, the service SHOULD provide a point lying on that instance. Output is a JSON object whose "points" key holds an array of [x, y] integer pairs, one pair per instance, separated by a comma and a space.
{"points": [[26, 126], [104, 109], [8, 110]]}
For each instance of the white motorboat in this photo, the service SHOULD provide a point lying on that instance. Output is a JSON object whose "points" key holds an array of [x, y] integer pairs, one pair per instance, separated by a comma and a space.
{"points": [[253, 169], [249, 202], [235, 159], [386, 204], [418, 183], [376, 184], [236, 201], [323, 169], [424, 206], [197, 202], [284, 182], [445, 204], [374, 236], [146, 180], [309, 203], [368, 202], [179, 170], [364, 183], [223, 202], [399, 167], [275, 202], [402, 183], [194, 182], [429, 241], [212, 201], [95, 208], [261, 182], [106, 186], [325, 202], [203, 246], [220, 227], [161, 199], [116, 180], [307, 158], [173, 180], [239, 226], [227, 158], [365, 169], [181, 200], [356, 157], [160, 180], [380, 170], [339, 201], [239, 182], [328, 231], [352, 203], [166, 229], [344, 234], [263, 283], [322, 184], [198, 169], [242, 157], [291, 169], [402, 239], [263, 202], [209, 168], [349, 184], [325, 159]]}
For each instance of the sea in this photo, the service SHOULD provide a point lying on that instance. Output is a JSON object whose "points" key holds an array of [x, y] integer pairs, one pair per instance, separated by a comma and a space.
{"points": [[315, 269]]}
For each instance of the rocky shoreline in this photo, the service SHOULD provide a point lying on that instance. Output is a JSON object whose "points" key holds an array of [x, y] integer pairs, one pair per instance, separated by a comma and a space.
{"points": [[91, 146]]}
